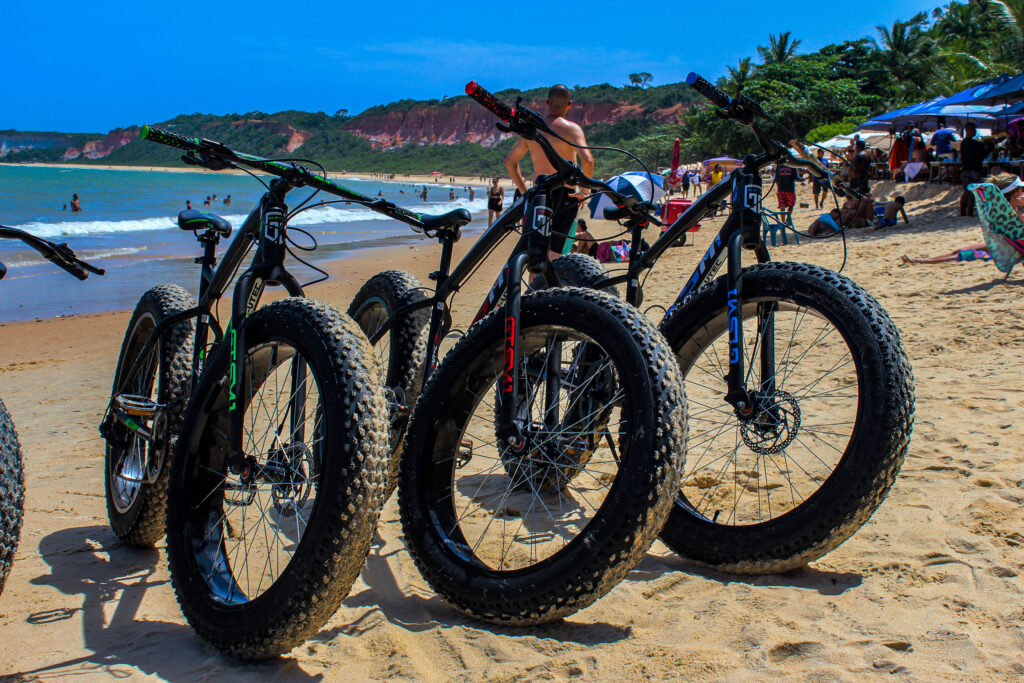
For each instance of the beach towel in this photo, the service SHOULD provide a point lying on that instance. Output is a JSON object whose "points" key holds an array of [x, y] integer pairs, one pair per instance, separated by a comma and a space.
{"points": [[1001, 227]]}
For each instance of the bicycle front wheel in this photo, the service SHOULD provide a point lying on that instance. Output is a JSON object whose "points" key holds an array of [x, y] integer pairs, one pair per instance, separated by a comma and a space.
{"points": [[776, 489], [532, 532], [262, 554]]}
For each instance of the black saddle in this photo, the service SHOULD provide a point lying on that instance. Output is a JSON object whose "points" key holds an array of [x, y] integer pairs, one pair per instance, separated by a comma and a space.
{"points": [[191, 219], [453, 219]]}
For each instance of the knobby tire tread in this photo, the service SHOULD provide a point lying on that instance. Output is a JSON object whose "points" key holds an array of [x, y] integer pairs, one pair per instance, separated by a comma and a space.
{"points": [[308, 595], [869, 469], [143, 524], [629, 530], [12, 493]]}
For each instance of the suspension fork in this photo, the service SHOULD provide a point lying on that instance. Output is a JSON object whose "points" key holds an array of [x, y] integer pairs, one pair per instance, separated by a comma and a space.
{"points": [[737, 392]]}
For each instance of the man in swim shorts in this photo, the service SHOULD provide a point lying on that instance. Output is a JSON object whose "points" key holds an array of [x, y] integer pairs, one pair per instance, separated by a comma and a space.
{"points": [[564, 202], [785, 189]]}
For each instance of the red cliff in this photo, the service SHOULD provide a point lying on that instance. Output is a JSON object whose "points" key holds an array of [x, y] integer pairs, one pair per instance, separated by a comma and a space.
{"points": [[468, 122]]}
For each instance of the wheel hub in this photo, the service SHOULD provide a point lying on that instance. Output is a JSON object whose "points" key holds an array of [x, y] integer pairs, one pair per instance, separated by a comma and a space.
{"points": [[773, 424]]}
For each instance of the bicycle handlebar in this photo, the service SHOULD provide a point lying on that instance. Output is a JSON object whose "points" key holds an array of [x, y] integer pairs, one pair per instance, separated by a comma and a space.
{"points": [[745, 110], [528, 124], [719, 98], [59, 254], [490, 102], [217, 157]]}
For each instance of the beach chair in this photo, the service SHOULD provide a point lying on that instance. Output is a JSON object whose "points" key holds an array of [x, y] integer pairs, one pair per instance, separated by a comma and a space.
{"points": [[1000, 225], [772, 225]]}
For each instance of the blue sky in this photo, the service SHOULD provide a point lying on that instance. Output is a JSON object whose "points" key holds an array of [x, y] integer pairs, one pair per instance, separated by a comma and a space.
{"points": [[90, 67]]}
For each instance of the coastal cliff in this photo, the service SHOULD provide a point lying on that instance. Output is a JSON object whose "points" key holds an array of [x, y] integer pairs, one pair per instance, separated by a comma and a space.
{"points": [[468, 122]]}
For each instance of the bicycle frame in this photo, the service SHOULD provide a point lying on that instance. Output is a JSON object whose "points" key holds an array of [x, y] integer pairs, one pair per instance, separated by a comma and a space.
{"points": [[741, 231], [266, 227], [529, 254]]}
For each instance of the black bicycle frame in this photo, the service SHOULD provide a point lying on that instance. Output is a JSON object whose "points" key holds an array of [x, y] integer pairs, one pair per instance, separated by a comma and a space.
{"points": [[265, 227], [529, 254]]}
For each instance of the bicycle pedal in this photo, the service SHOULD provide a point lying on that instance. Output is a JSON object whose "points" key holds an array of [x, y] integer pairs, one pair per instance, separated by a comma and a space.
{"points": [[137, 406]]}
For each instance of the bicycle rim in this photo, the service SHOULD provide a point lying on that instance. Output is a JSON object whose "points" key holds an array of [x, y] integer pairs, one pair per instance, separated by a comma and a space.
{"points": [[129, 471], [506, 509], [744, 471], [246, 527]]}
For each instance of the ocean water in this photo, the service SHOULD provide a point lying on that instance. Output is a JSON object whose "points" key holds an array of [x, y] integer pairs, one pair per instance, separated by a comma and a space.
{"points": [[128, 225]]}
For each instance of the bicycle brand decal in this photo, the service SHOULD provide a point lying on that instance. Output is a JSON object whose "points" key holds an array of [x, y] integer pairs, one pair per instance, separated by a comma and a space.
{"points": [[752, 198], [541, 220], [699, 272], [494, 295], [273, 226], [507, 382], [233, 373], [734, 326]]}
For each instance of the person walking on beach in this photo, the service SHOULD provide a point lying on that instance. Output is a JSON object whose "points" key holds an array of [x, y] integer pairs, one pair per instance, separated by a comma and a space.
{"points": [[684, 182], [818, 187], [564, 202], [495, 198], [76, 206]]}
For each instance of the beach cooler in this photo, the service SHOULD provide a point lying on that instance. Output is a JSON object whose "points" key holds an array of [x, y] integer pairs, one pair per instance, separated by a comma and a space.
{"points": [[673, 209]]}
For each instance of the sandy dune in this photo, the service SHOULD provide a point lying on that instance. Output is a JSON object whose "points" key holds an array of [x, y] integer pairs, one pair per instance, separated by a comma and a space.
{"points": [[929, 589]]}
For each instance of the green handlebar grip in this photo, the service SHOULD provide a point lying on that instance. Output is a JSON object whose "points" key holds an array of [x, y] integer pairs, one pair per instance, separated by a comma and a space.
{"points": [[167, 138]]}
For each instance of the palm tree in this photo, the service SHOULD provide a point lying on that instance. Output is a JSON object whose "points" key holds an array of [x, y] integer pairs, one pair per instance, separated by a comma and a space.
{"points": [[780, 48], [737, 77], [904, 51]]}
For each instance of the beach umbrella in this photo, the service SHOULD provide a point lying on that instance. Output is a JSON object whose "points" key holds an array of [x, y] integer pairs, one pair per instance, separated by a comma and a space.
{"points": [[635, 184], [1010, 90], [975, 93], [724, 161], [673, 176]]}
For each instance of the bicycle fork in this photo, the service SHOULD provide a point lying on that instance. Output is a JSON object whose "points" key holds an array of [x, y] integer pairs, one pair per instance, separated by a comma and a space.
{"points": [[747, 199]]}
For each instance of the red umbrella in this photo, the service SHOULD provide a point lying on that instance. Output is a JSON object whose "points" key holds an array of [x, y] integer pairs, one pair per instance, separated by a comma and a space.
{"points": [[673, 177]]}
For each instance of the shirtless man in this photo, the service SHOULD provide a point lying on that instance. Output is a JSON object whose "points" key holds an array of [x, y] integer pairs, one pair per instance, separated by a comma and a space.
{"points": [[563, 202]]}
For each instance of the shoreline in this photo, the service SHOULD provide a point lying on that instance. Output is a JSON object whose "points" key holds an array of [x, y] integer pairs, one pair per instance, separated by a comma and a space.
{"points": [[417, 178]]}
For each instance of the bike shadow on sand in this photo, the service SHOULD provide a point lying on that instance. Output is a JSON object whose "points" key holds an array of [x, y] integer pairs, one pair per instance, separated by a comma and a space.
{"points": [[807, 578], [418, 610], [113, 580]]}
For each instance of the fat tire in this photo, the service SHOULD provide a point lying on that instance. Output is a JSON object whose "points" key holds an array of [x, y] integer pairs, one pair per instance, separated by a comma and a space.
{"points": [[876, 450], [578, 270], [12, 493], [638, 502], [142, 524], [407, 336], [350, 495]]}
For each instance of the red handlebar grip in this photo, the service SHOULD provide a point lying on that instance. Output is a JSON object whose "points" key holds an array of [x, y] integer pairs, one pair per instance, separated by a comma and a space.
{"points": [[492, 103]]}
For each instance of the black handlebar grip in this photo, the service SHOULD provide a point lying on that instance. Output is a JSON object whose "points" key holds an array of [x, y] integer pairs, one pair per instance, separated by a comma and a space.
{"points": [[707, 90], [492, 103], [167, 138]]}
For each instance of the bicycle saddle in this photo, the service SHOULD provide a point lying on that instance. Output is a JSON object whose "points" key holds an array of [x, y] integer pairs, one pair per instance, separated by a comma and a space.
{"points": [[191, 219], [453, 219]]}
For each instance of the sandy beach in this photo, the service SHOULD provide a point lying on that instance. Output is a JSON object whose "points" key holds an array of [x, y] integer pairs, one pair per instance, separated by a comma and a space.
{"points": [[930, 588]]}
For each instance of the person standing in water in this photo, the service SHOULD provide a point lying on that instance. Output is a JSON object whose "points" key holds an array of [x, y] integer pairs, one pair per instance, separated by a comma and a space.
{"points": [[495, 198], [76, 206], [564, 202]]}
